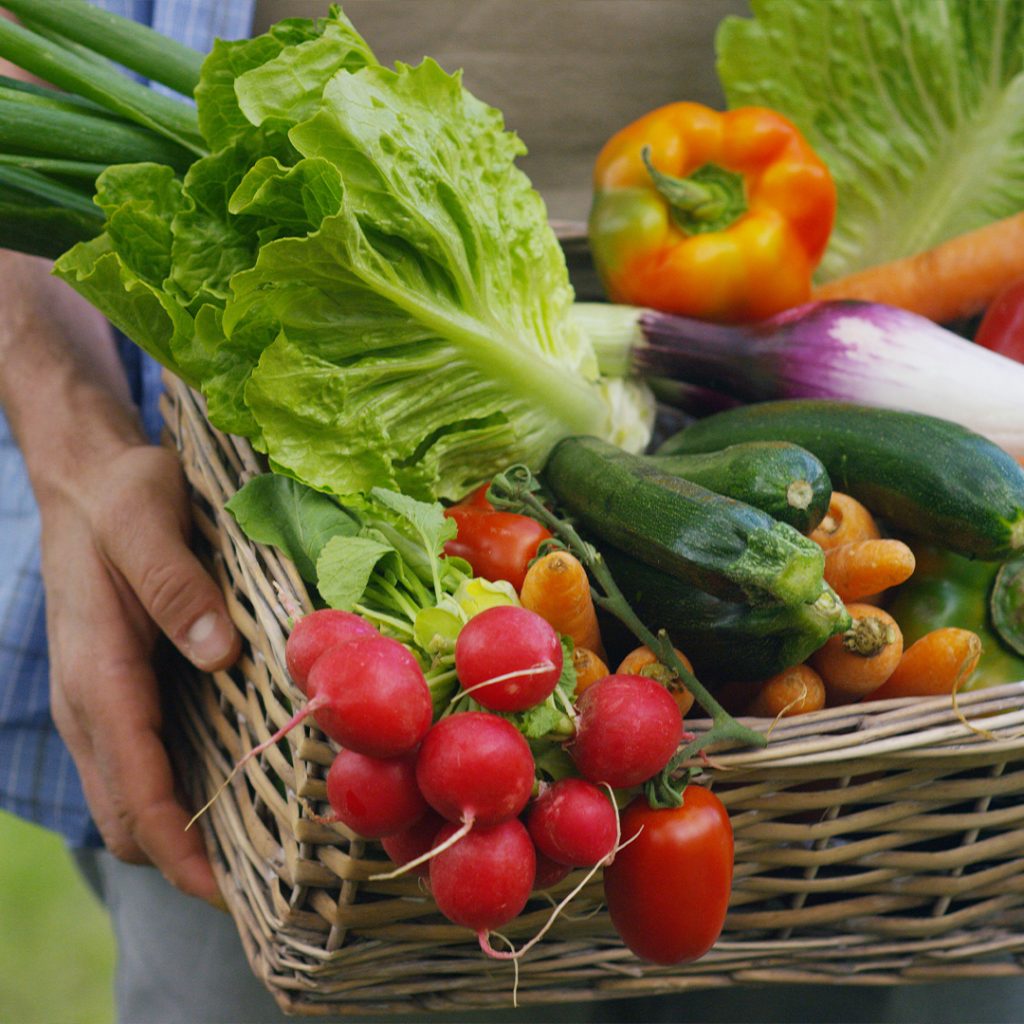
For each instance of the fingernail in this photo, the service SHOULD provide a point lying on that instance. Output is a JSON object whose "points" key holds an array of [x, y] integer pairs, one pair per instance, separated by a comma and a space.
{"points": [[209, 639]]}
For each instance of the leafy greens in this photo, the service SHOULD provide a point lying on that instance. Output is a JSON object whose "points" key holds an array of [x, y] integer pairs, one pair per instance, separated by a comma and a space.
{"points": [[358, 276], [917, 107]]}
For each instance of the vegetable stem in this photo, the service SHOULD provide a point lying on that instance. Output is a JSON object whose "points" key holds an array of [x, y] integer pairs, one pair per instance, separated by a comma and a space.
{"points": [[49, 191], [136, 46], [516, 489], [111, 89]]}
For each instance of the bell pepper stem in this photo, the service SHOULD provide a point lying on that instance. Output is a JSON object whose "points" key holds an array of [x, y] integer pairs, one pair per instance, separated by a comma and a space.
{"points": [[709, 199]]}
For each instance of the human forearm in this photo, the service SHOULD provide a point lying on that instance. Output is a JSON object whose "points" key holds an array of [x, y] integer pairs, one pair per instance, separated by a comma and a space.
{"points": [[61, 385]]}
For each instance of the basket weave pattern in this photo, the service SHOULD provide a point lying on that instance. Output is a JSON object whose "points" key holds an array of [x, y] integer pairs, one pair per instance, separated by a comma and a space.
{"points": [[878, 843]]}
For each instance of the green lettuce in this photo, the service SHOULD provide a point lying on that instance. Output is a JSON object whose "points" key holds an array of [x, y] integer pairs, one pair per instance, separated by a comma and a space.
{"points": [[357, 276], [917, 107]]}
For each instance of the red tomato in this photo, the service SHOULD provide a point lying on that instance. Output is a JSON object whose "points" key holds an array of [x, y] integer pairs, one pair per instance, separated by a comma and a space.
{"points": [[1002, 327], [668, 890], [498, 545]]}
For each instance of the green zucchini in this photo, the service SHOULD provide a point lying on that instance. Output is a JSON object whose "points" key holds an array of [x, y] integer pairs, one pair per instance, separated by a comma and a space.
{"points": [[721, 545], [726, 640], [782, 479], [926, 476]]}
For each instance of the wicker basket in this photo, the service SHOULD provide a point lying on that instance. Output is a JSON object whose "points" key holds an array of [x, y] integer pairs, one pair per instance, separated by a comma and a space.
{"points": [[875, 844]]}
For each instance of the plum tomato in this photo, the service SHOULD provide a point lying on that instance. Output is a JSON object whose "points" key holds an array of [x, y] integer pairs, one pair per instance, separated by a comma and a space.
{"points": [[514, 647], [667, 890], [498, 545]]}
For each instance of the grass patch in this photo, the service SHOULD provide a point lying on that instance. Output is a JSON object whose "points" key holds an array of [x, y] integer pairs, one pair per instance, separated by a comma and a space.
{"points": [[56, 944]]}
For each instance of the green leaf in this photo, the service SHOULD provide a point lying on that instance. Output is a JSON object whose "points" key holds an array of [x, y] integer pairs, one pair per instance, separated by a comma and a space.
{"points": [[917, 107], [299, 521], [345, 567]]}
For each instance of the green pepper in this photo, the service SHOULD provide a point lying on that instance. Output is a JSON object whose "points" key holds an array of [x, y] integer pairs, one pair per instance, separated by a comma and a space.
{"points": [[950, 590]]}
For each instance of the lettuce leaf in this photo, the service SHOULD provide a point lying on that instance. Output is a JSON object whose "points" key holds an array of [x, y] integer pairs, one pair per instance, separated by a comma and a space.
{"points": [[917, 107], [358, 277]]}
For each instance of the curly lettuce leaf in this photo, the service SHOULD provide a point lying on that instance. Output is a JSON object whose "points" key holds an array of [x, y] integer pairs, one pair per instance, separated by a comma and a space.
{"points": [[424, 336], [358, 277], [917, 107]]}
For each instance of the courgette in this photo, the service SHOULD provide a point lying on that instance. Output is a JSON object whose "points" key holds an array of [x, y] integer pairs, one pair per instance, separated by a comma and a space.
{"points": [[721, 545], [782, 479], [726, 640], [928, 477]]}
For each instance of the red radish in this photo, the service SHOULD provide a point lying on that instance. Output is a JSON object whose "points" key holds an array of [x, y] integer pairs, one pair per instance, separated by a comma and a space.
{"points": [[316, 632], [370, 695], [415, 841], [484, 880], [548, 873], [573, 822], [475, 768], [374, 796], [628, 729], [508, 657]]}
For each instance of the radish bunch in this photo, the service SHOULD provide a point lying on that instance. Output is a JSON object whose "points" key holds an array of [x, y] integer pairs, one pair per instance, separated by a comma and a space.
{"points": [[458, 799]]}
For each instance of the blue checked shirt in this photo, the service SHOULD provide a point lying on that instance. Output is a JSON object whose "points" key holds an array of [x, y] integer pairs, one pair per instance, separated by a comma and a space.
{"points": [[38, 780]]}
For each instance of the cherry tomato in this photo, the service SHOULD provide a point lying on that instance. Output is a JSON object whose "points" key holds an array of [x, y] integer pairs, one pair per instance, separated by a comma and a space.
{"points": [[1002, 327], [668, 890], [498, 545]]}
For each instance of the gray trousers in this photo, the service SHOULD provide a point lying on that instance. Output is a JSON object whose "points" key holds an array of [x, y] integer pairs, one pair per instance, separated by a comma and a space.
{"points": [[181, 962]]}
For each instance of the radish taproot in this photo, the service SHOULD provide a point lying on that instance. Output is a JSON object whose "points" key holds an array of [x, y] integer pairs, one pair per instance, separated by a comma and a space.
{"points": [[508, 657], [627, 730], [315, 633], [374, 796]]}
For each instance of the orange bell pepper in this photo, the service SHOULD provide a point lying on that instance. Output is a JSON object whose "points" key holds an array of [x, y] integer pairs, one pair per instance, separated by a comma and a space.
{"points": [[718, 215]]}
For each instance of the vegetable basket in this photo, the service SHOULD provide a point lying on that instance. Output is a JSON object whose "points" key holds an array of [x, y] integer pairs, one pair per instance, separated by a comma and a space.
{"points": [[875, 844]]}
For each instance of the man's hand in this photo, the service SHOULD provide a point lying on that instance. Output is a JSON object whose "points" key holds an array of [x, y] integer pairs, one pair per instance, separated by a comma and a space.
{"points": [[116, 566]]}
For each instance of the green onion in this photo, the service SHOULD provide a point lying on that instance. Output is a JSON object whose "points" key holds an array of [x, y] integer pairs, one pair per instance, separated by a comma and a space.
{"points": [[39, 131], [136, 46], [53, 63], [54, 165], [55, 193], [42, 230]]}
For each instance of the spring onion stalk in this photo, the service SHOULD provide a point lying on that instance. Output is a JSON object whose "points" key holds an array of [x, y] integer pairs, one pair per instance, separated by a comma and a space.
{"points": [[169, 118], [41, 131], [54, 165], [41, 229], [136, 46], [26, 92], [854, 351], [50, 192]]}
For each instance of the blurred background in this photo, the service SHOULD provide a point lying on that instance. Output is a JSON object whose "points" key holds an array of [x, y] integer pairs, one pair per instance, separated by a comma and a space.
{"points": [[56, 944]]}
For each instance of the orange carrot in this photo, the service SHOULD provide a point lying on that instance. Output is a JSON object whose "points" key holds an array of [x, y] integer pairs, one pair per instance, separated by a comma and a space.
{"points": [[858, 661], [862, 568], [937, 663], [955, 279], [846, 520], [588, 667], [556, 587], [642, 661], [793, 691]]}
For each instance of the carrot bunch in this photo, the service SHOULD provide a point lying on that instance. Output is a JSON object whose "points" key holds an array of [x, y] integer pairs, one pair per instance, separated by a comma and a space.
{"points": [[869, 661]]}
